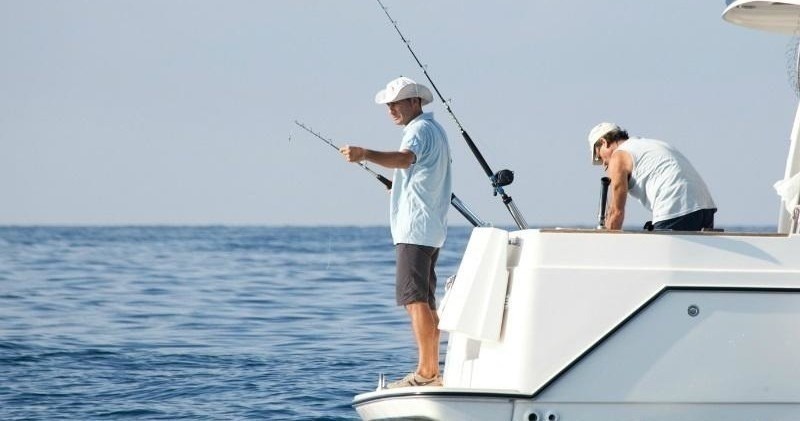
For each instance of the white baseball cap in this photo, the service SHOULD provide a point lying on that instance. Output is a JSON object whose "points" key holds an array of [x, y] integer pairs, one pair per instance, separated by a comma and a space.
{"points": [[403, 88], [595, 134]]}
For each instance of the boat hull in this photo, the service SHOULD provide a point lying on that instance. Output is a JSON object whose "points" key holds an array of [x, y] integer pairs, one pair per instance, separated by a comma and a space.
{"points": [[686, 326]]}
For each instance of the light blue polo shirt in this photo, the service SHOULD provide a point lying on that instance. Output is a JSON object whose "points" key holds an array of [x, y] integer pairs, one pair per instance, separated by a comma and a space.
{"points": [[421, 193]]}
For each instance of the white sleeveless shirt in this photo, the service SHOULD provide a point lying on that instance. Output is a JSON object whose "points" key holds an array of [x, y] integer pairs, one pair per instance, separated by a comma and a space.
{"points": [[664, 181]]}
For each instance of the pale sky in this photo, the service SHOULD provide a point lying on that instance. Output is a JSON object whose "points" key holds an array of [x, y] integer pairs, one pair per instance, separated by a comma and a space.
{"points": [[182, 111]]}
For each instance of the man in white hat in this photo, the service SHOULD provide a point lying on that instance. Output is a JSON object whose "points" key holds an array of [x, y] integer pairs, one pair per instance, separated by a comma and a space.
{"points": [[420, 199], [656, 174]]}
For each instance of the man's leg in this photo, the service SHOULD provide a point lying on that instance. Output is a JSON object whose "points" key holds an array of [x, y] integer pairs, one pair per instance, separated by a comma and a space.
{"points": [[416, 287], [424, 323]]}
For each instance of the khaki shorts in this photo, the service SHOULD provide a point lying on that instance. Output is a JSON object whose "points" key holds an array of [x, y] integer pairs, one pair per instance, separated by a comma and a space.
{"points": [[416, 278]]}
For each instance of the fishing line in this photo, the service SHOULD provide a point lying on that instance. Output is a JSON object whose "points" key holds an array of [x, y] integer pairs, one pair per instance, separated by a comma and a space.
{"points": [[454, 200], [498, 179]]}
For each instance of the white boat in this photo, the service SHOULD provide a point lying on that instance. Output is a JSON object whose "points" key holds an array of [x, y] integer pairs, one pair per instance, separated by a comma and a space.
{"points": [[550, 324]]}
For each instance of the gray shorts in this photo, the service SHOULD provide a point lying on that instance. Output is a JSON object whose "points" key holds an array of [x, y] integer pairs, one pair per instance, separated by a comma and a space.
{"points": [[695, 221], [416, 278]]}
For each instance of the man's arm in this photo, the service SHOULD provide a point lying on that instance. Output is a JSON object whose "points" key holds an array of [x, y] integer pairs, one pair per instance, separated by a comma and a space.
{"points": [[619, 169], [394, 159]]}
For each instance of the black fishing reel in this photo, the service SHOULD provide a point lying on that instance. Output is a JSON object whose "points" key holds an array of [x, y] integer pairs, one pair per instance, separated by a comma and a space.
{"points": [[501, 179]]}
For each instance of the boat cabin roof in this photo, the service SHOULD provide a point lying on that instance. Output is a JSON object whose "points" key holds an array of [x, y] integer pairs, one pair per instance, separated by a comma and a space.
{"points": [[773, 16]]}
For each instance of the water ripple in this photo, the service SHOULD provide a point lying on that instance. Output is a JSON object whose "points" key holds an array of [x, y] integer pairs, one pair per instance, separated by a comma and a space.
{"points": [[199, 323]]}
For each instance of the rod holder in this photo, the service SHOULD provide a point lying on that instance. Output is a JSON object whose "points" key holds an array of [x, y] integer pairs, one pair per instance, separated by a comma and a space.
{"points": [[601, 214]]}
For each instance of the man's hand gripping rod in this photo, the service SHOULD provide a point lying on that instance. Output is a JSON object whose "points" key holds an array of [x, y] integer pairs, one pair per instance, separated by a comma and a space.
{"points": [[454, 200], [499, 179]]}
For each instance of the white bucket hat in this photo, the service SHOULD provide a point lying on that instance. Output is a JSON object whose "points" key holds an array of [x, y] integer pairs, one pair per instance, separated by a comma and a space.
{"points": [[403, 88], [595, 134]]}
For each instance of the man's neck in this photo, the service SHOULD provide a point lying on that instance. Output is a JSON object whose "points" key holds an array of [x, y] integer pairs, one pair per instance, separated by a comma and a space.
{"points": [[413, 118]]}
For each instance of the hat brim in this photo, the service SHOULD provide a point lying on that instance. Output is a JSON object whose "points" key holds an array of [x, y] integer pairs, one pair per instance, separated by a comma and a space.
{"points": [[408, 91]]}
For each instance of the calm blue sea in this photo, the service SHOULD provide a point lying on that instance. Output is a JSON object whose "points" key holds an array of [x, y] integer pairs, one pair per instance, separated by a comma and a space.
{"points": [[199, 323]]}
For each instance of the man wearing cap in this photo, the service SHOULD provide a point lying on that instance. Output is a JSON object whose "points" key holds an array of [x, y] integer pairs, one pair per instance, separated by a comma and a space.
{"points": [[420, 199], [656, 174]]}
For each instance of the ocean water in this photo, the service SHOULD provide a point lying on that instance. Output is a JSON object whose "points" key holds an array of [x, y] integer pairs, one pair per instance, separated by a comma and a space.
{"points": [[199, 323]]}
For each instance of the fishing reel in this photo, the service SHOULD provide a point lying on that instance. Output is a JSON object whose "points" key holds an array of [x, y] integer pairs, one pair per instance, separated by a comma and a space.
{"points": [[502, 178]]}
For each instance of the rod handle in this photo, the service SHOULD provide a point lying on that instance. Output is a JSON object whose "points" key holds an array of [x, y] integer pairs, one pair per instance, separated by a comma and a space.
{"points": [[386, 182]]}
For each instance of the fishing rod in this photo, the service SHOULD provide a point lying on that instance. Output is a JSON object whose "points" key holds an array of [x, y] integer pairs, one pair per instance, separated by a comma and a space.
{"points": [[499, 179], [454, 200], [386, 182]]}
